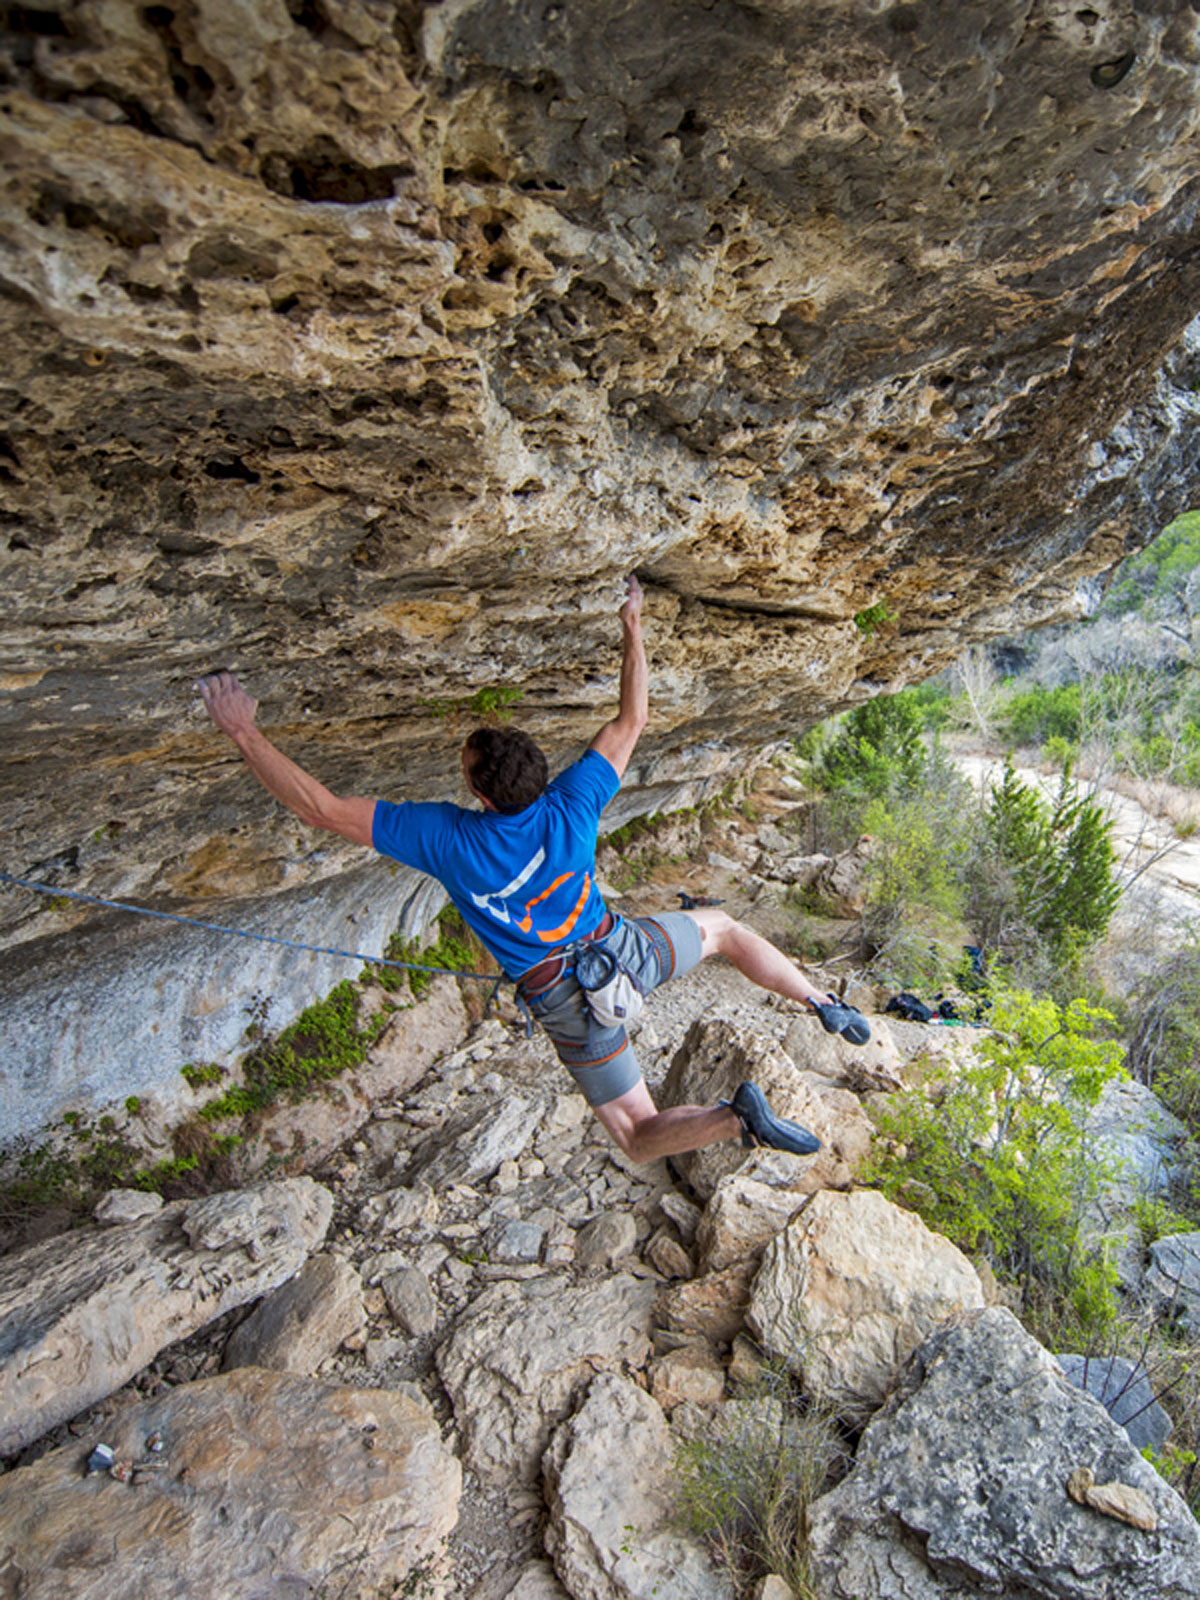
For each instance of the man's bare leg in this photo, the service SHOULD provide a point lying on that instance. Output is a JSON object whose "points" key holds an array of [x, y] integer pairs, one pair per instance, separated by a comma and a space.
{"points": [[644, 1133], [755, 957]]}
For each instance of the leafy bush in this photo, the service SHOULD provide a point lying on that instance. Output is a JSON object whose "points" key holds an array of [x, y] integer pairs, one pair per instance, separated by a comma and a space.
{"points": [[1035, 715], [878, 749], [997, 1156], [919, 848], [1164, 567]]}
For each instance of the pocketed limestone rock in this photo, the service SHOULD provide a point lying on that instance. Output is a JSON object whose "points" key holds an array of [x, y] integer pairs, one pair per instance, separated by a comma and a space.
{"points": [[80, 1314], [296, 1327], [961, 1488], [614, 1526], [522, 1352], [850, 1288], [268, 1485]]}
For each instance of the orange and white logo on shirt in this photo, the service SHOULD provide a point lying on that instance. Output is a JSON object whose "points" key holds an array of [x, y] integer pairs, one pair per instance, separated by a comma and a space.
{"points": [[497, 902]]}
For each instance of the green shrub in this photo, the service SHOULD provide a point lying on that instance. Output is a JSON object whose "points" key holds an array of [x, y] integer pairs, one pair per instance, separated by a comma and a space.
{"points": [[878, 749], [1035, 715], [456, 949], [997, 1157], [918, 849], [746, 1483], [326, 1039]]}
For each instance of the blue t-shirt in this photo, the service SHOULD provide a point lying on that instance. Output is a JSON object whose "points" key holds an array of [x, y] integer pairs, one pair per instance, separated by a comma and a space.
{"points": [[526, 883]]}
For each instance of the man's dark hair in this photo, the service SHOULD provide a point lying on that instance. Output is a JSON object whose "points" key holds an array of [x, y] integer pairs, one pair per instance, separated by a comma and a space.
{"points": [[507, 767]]}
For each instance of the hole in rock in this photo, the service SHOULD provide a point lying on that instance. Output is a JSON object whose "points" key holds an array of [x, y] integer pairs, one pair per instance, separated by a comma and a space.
{"points": [[231, 468], [324, 175], [308, 14]]}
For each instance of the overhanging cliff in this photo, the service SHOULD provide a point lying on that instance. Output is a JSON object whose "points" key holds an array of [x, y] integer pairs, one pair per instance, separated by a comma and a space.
{"points": [[364, 347]]}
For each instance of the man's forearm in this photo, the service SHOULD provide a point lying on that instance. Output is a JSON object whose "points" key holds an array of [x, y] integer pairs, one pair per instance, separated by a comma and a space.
{"points": [[298, 790], [635, 676]]}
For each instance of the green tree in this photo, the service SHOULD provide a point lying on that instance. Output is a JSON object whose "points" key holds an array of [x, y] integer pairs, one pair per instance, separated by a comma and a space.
{"points": [[878, 749], [1059, 864]]}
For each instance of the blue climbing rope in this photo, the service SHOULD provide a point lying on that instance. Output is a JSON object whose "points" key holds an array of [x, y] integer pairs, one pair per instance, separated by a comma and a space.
{"points": [[243, 933]]}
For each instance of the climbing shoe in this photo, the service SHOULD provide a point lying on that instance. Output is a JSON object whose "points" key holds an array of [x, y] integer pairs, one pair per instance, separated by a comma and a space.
{"points": [[838, 1017], [760, 1125]]}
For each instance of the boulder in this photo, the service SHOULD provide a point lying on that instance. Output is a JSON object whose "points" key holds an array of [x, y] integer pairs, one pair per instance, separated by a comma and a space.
{"points": [[741, 1218], [522, 1352], [693, 1372], [127, 1205], [294, 1329], [614, 1534], [401, 1210], [1134, 1131], [878, 1064], [961, 1488], [1123, 1389], [80, 1314], [470, 1145], [845, 881], [715, 1056], [267, 1485], [605, 1239], [410, 1300], [1173, 1277], [850, 1288], [713, 1306]]}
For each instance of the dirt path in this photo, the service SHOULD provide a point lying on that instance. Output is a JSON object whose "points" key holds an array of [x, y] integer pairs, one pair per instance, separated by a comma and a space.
{"points": [[1147, 846]]}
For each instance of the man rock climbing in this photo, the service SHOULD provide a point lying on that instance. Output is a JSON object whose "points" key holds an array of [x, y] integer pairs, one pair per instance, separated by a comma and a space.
{"points": [[522, 873]]}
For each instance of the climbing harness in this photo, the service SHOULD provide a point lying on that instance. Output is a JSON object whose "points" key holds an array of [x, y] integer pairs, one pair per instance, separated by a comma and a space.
{"points": [[266, 938]]}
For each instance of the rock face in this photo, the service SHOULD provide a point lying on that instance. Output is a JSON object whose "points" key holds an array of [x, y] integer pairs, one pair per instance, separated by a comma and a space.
{"points": [[80, 1314], [269, 1486], [961, 1488], [850, 1288], [356, 348], [613, 1531]]}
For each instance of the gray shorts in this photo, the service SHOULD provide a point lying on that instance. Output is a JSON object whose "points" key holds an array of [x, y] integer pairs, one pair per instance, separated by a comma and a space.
{"points": [[601, 1060]]}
